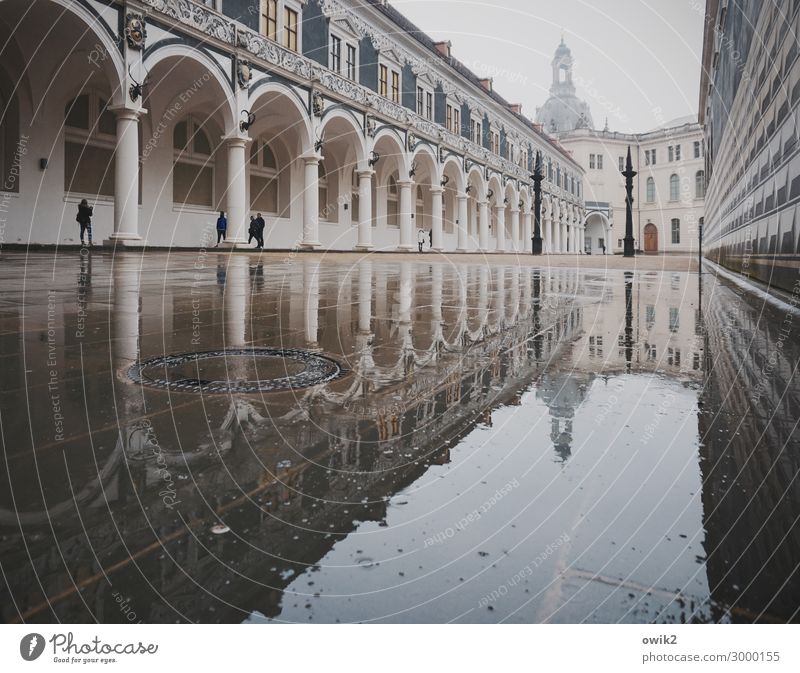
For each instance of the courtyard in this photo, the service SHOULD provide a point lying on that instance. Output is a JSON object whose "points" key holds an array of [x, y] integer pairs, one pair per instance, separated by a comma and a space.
{"points": [[219, 437]]}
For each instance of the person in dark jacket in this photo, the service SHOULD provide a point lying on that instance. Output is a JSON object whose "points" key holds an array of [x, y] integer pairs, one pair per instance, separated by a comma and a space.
{"points": [[84, 218], [430, 234], [252, 230], [222, 227], [258, 228]]}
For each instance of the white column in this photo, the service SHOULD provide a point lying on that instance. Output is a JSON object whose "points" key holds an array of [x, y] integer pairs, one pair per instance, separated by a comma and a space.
{"points": [[564, 234], [483, 226], [311, 301], [436, 218], [126, 176], [365, 210], [234, 300], [405, 207], [236, 202], [364, 296], [515, 230], [311, 201], [527, 231], [500, 212], [463, 222], [556, 222]]}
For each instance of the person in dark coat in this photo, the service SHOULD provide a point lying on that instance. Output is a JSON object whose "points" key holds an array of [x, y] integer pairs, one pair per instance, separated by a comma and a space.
{"points": [[84, 218], [430, 234], [258, 228], [222, 227], [252, 230]]}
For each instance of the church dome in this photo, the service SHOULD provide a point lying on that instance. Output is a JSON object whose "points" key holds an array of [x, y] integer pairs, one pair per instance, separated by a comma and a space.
{"points": [[563, 110]]}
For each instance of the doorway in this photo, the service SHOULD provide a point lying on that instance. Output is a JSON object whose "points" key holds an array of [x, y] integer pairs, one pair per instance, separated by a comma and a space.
{"points": [[650, 238]]}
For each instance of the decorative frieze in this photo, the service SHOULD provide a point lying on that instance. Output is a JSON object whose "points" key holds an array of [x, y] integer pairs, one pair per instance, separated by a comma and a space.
{"points": [[196, 16]]}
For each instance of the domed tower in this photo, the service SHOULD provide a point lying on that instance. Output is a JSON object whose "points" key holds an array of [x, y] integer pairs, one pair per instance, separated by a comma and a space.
{"points": [[563, 111]]}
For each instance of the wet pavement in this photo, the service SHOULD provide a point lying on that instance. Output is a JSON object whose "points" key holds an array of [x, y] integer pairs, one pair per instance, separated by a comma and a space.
{"points": [[392, 441]]}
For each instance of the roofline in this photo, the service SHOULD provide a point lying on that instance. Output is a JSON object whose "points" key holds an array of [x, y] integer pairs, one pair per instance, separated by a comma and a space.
{"points": [[412, 30]]}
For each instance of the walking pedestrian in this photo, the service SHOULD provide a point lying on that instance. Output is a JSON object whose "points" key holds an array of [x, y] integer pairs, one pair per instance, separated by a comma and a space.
{"points": [[84, 218], [431, 239], [603, 247], [421, 236], [258, 227], [222, 227]]}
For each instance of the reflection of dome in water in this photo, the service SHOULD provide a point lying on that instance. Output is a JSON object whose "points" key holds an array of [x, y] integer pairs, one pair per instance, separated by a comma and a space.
{"points": [[563, 110]]}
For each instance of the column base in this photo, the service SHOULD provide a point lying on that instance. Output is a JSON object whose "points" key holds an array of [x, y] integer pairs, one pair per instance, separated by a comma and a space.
{"points": [[365, 248], [437, 249], [232, 244], [462, 249], [123, 240], [310, 245], [407, 248]]}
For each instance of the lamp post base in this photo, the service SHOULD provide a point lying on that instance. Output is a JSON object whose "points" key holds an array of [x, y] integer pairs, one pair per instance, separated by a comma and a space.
{"points": [[536, 244]]}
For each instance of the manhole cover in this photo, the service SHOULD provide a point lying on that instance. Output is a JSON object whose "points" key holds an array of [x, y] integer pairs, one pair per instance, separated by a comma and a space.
{"points": [[237, 370]]}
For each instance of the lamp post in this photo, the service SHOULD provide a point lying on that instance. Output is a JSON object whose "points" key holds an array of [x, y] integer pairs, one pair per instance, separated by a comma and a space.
{"points": [[537, 206], [629, 174]]}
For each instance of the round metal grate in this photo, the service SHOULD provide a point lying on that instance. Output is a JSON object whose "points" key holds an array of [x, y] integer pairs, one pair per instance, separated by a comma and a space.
{"points": [[237, 370]]}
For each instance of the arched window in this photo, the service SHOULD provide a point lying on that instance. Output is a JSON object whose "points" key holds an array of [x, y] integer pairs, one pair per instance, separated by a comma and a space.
{"points": [[700, 185], [263, 178], [651, 190], [90, 131], [674, 187], [11, 143], [193, 169], [325, 210], [392, 208]]}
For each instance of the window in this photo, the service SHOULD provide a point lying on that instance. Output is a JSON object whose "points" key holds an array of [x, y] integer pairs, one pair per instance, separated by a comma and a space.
{"points": [[290, 29], [495, 142], [351, 62], [700, 185], [592, 161], [670, 153], [383, 81], [453, 119], [89, 140], [651, 190], [420, 101], [674, 187], [336, 53], [193, 169], [677, 152], [674, 316], [698, 152], [600, 162], [476, 131], [621, 164], [649, 157], [395, 86], [425, 102], [263, 178], [676, 231], [269, 18]]}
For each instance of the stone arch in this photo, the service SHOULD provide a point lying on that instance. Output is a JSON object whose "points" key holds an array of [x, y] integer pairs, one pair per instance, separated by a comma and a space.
{"points": [[344, 123], [596, 225], [389, 138], [192, 58]]}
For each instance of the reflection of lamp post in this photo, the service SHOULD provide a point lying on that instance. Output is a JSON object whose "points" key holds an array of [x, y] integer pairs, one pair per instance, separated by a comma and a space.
{"points": [[629, 174], [628, 318], [537, 205]]}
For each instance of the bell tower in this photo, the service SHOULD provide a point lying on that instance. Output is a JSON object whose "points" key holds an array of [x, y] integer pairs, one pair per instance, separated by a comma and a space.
{"points": [[562, 72]]}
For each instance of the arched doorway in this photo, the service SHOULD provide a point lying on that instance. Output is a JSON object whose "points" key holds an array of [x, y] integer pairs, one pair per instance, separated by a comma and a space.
{"points": [[650, 238]]}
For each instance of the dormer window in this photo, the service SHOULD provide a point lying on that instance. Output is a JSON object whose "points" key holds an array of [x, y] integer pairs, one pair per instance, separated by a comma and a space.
{"points": [[343, 57], [476, 130], [494, 138], [389, 81]]}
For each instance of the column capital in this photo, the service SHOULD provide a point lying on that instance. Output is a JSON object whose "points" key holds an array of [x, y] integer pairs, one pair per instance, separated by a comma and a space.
{"points": [[366, 173], [405, 183], [437, 190], [127, 112], [515, 210], [236, 140], [462, 196], [312, 158], [500, 206]]}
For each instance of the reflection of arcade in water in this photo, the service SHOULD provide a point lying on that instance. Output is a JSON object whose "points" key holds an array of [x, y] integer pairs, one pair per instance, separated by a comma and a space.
{"points": [[128, 498]]}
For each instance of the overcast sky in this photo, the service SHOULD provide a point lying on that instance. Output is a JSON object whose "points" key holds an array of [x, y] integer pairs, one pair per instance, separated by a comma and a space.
{"points": [[637, 62]]}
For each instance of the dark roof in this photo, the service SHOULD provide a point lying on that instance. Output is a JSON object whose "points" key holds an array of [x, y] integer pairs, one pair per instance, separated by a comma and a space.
{"points": [[429, 43]]}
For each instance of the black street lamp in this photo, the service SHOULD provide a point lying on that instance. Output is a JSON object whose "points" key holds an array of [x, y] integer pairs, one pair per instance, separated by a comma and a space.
{"points": [[537, 205], [629, 174]]}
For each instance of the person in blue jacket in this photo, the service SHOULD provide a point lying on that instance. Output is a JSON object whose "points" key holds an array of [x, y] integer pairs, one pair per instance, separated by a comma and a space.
{"points": [[222, 228]]}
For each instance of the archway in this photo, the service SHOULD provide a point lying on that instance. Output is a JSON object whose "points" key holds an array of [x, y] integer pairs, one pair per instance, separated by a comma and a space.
{"points": [[597, 234], [650, 238]]}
